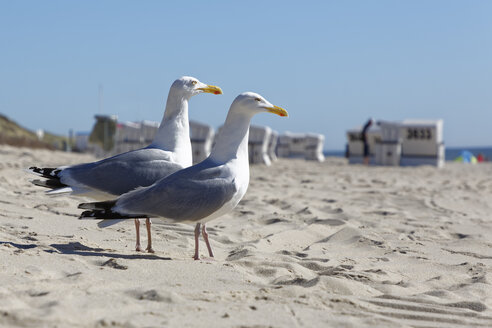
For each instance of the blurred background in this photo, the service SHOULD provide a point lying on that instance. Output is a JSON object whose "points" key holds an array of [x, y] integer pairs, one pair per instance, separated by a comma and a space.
{"points": [[331, 64]]}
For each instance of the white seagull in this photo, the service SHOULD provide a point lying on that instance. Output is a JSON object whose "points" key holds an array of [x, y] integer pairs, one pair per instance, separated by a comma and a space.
{"points": [[204, 191], [169, 152]]}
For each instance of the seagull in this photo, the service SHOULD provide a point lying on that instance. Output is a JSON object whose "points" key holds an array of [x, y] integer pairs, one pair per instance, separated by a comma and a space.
{"points": [[202, 192], [169, 152]]}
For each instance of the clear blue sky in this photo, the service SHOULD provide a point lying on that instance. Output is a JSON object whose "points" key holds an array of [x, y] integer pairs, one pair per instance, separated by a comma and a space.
{"points": [[331, 64]]}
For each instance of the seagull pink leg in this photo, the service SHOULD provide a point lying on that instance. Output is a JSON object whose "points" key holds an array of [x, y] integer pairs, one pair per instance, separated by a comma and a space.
{"points": [[205, 237], [148, 225], [197, 235], [137, 229]]}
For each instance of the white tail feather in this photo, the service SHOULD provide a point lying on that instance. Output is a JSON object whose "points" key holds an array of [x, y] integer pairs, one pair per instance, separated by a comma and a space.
{"points": [[60, 191]]}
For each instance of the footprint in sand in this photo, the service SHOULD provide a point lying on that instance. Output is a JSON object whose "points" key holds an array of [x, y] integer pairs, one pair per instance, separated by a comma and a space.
{"points": [[155, 296], [113, 264]]}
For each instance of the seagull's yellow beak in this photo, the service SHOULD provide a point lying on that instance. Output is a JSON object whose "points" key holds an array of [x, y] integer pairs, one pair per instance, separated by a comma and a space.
{"points": [[277, 110], [212, 89]]}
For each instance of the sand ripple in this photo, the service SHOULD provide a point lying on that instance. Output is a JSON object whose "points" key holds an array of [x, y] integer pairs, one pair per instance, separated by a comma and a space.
{"points": [[310, 245]]}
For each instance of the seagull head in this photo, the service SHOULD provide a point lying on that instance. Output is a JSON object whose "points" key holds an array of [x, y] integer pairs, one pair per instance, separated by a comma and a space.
{"points": [[189, 86], [252, 103]]}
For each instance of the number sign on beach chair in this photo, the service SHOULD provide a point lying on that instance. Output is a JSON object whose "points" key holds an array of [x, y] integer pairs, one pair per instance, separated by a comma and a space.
{"points": [[422, 143]]}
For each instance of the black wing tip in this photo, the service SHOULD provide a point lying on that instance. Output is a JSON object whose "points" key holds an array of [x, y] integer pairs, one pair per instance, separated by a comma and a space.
{"points": [[97, 214], [106, 205], [107, 215], [83, 206], [35, 169], [86, 214], [47, 172], [49, 183]]}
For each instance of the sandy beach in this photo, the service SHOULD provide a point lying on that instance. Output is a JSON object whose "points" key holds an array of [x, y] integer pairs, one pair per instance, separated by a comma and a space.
{"points": [[310, 245]]}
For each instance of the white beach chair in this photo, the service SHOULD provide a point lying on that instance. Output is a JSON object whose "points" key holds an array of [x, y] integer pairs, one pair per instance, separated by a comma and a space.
{"points": [[283, 145], [313, 147], [272, 146], [148, 131], [201, 136], [355, 146], [259, 139], [388, 149]]}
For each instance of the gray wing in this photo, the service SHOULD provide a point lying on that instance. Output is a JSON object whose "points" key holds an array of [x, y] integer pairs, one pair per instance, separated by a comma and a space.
{"points": [[188, 195], [121, 173]]}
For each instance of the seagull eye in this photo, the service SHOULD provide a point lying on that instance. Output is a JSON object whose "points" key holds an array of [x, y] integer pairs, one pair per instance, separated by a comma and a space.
{"points": [[193, 82], [257, 99]]}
